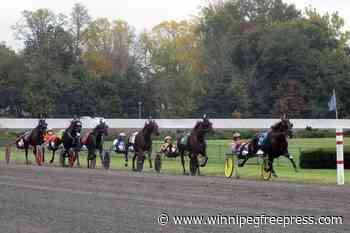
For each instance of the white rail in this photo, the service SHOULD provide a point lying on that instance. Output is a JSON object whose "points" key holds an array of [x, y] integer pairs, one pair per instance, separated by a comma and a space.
{"points": [[6, 123]]}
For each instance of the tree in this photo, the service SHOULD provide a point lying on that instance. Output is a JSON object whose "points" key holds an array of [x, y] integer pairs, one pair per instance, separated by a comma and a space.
{"points": [[108, 47], [174, 66], [289, 100], [80, 19], [48, 46], [12, 81]]}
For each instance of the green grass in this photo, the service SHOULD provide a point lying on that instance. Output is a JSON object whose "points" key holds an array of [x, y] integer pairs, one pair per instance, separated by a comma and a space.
{"points": [[216, 152]]}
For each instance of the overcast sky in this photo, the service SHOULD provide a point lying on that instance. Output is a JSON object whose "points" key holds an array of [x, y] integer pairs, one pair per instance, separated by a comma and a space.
{"points": [[142, 14]]}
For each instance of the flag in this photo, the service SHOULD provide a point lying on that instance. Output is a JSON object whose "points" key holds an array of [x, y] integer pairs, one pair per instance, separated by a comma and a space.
{"points": [[332, 104]]}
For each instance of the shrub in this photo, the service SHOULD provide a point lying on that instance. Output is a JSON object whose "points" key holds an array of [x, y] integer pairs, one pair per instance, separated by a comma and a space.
{"points": [[322, 158]]}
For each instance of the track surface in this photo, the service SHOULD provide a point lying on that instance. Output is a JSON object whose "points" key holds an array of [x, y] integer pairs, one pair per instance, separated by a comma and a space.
{"points": [[47, 199]]}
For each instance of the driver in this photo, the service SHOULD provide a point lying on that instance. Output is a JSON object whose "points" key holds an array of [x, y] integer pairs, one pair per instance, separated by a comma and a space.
{"points": [[119, 143], [167, 146], [238, 146]]}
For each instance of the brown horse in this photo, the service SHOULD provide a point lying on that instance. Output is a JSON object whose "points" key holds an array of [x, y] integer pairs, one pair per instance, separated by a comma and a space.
{"points": [[141, 143], [33, 138], [275, 144], [94, 141], [195, 145]]}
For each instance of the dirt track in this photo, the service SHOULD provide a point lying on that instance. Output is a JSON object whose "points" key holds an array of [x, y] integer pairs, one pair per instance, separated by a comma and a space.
{"points": [[45, 199]]}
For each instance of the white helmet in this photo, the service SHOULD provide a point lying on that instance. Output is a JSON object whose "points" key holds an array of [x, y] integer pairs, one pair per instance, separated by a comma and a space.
{"points": [[236, 135]]}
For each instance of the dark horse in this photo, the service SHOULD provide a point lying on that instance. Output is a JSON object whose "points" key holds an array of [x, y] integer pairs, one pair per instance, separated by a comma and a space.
{"points": [[195, 145], [275, 144], [34, 138], [94, 141], [142, 142], [71, 140]]}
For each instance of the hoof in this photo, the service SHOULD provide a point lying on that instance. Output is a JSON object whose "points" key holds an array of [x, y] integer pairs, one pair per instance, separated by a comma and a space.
{"points": [[240, 165], [185, 173]]}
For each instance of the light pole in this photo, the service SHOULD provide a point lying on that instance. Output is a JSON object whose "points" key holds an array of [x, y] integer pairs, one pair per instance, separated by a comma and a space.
{"points": [[140, 109]]}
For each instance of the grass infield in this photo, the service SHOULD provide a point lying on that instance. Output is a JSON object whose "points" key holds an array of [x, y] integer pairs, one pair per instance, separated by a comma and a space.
{"points": [[215, 167]]}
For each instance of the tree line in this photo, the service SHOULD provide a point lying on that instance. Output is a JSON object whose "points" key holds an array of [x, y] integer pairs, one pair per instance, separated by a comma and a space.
{"points": [[236, 58]]}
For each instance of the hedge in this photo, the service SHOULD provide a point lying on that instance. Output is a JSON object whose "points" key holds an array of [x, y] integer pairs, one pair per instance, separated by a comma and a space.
{"points": [[324, 158]]}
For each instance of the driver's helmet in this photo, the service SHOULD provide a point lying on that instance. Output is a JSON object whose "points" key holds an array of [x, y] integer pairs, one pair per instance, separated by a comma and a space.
{"points": [[236, 135], [49, 131], [168, 138], [122, 135]]}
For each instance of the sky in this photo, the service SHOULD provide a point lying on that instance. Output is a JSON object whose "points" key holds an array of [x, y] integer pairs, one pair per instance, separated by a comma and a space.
{"points": [[141, 14]]}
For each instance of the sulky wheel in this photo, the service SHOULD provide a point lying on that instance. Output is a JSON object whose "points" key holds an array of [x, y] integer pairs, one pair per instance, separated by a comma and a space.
{"points": [[62, 158], [229, 167], [158, 163], [8, 153], [105, 158]]}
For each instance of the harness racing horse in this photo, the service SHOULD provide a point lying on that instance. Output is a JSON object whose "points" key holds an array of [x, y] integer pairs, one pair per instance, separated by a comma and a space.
{"points": [[34, 138], [141, 143], [275, 144], [94, 141], [195, 145], [71, 143]]}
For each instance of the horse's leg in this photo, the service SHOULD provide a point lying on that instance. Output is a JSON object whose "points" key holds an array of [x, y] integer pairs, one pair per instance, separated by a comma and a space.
{"points": [[133, 160], [194, 162], [34, 151], [288, 156], [182, 152], [77, 158], [87, 158], [198, 172], [197, 165], [274, 174], [150, 158], [100, 151], [53, 156], [205, 156], [126, 154], [43, 150], [93, 161], [241, 164], [26, 153]]}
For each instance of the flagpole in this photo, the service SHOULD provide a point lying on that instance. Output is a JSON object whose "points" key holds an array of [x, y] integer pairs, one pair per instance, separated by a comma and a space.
{"points": [[336, 107]]}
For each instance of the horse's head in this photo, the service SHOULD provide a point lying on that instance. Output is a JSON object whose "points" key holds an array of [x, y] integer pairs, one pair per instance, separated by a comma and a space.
{"points": [[42, 126], [284, 126], [76, 126], [152, 127], [204, 126], [101, 128]]}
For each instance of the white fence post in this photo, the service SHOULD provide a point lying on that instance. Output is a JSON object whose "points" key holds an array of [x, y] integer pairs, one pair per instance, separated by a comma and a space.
{"points": [[340, 156]]}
